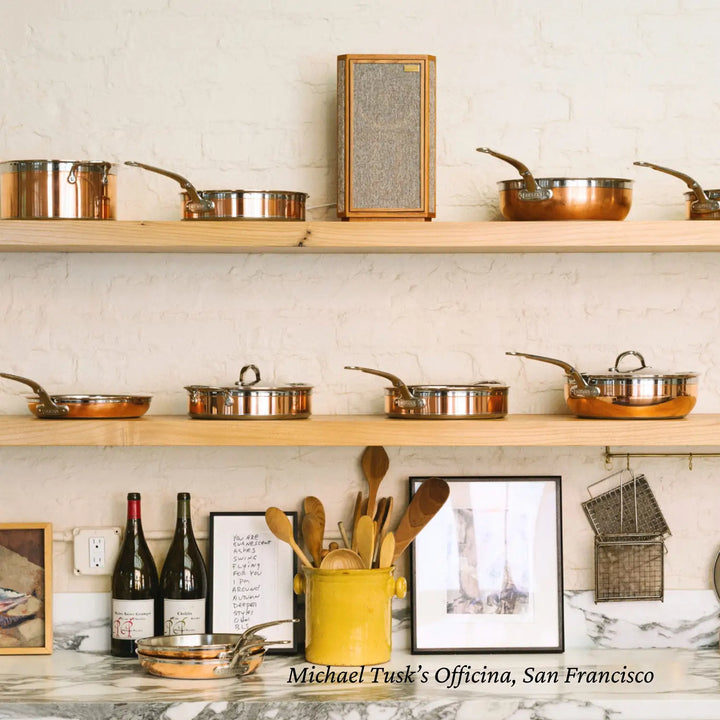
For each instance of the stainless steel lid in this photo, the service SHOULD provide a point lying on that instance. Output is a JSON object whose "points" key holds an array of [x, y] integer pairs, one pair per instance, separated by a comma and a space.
{"points": [[244, 387], [641, 371]]}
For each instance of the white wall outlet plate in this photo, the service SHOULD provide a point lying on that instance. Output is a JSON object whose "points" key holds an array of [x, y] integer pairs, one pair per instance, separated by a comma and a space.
{"points": [[96, 549]]}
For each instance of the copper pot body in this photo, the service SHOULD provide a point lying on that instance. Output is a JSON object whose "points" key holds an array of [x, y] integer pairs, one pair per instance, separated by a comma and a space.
{"points": [[642, 398], [691, 200], [95, 407], [572, 199], [228, 403], [450, 402], [248, 205], [57, 190]]}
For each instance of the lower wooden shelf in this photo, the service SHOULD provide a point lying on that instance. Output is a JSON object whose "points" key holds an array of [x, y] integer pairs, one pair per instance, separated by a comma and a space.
{"points": [[359, 430]]}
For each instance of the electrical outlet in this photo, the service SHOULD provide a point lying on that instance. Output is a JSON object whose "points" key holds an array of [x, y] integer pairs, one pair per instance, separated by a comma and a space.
{"points": [[96, 550]]}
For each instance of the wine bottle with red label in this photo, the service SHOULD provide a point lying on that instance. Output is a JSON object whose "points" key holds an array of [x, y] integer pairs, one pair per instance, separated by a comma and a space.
{"points": [[183, 581], [136, 606]]}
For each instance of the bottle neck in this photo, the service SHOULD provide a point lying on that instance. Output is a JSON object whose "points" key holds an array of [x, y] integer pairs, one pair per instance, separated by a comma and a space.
{"points": [[183, 509], [133, 510]]}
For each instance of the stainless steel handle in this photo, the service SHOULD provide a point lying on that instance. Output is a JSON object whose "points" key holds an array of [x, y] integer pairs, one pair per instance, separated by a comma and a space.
{"points": [[407, 401], [247, 368], [196, 203], [625, 354], [702, 204], [532, 192], [47, 407], [581, 389]]}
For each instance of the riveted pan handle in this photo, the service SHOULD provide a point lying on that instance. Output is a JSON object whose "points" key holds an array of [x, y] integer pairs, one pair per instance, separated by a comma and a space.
{"points": [[532, 192], [47, 407], [703, 204], [407, 399], [196, 204], [581, 389]]}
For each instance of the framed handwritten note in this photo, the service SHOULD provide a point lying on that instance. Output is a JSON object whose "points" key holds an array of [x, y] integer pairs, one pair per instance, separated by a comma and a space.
{"points": [[251, 577]]}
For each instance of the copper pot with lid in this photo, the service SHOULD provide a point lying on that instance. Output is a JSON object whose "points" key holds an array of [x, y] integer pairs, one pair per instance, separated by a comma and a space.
{"points": [[248, 400], [481, 400], [626, 394], [234, 204], [561, 198], [57, 190], [699, 204]]}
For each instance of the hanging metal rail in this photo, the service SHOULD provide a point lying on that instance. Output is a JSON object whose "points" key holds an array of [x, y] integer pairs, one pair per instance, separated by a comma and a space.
{"points": [[627, 455]]}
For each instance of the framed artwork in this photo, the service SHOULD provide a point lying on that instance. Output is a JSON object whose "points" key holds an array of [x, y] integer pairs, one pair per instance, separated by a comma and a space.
{"points": [[251, 577], [487, 569], [25, 588]]}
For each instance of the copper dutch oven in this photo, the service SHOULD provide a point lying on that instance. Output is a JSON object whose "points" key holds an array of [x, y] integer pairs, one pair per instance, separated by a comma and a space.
{"points": [[635, 393], [532, 198], [247, 400], [699, 204], [57, 190], [234, 204], [481, 400], [44, 405]]}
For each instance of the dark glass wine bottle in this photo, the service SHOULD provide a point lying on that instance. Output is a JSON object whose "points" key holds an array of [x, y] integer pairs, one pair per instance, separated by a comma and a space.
{"points": [[183, 581], [135, 589]]}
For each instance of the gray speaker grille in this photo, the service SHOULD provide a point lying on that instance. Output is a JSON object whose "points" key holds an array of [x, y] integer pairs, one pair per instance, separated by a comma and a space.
{"points": [[386, 168]]}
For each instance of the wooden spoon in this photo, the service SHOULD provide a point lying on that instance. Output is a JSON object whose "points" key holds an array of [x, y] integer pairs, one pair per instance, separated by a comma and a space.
{"points": [[281, 528], [428, 499], [312, 531], [387, 550], [342, 559], [375, 464], [365, 534]]}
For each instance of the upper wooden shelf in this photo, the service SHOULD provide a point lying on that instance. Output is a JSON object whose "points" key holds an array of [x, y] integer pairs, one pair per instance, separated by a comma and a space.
{"points": [[356, 237], [360, 430]]}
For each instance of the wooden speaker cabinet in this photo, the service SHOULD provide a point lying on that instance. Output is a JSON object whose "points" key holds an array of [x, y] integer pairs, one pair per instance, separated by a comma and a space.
{"points": [[386, 137]]}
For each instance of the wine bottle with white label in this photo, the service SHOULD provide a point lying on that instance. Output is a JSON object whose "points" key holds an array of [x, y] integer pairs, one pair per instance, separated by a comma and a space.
{"points": [[135, 588], [183, 581]]}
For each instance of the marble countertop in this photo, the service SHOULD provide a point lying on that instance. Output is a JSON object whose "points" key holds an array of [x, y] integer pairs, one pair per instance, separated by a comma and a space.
{"points": [[683, 685]]}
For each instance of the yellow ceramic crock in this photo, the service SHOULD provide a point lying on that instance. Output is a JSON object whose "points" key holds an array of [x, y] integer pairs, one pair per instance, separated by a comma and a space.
{"points": [[348, 614]]}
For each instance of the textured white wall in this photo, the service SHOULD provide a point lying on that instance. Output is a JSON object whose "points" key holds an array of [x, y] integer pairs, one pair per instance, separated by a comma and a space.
{"points": [[236, 94]]}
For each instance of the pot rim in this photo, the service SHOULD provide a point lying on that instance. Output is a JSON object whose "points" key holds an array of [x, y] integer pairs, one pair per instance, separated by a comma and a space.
{"points": [[481, 387], [249, 391], [93, 399], [58, 165], [561, 182], [252, 193]]}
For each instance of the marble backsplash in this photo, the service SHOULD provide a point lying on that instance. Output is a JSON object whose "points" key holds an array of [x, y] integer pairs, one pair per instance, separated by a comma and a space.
{"points": [[684, 619]]}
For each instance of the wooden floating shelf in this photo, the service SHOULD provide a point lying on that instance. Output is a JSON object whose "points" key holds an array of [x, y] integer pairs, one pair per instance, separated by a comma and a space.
{"points": [[360, 430], [356, 237]]}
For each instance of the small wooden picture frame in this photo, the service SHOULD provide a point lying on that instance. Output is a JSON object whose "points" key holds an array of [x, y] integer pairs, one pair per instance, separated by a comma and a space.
{"points": [[25, 588]]}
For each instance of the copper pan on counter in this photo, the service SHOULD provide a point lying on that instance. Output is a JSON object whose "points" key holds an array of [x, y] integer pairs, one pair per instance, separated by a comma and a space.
{"points": [[88, 407], [234, 204], [561, 198]]}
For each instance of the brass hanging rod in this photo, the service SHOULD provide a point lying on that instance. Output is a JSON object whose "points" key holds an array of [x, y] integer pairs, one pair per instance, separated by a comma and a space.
{"points": [[627, 455]]}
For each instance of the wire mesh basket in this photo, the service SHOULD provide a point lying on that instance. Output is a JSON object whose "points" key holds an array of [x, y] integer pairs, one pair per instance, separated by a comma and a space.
{"points": [[628, 568], [630, 508]]}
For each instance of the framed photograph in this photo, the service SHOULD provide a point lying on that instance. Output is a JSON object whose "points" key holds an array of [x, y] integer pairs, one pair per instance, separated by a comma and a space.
{"points": [[25, 588], [487, 569], [251, 577]]}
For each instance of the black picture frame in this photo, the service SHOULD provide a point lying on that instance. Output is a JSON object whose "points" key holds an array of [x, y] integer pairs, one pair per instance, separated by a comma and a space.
{"points": [[487, 573], [250, 576]]}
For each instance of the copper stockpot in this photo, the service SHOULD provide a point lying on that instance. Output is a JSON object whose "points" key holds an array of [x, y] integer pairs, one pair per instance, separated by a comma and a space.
{"points": [[247, 400], [234, 204], [699, 204], [534, 198], [57, 190], [481, 400], [88, 407], [633, 394]]}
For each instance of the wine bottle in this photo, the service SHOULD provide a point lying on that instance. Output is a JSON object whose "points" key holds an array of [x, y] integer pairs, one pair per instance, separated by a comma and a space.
{"points": [[183, 581], [135, 590]]}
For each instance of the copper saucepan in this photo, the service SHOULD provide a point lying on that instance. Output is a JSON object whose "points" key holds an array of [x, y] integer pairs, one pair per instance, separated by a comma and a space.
{"points": [[635, 393], [44, 405], [57, 190], [699, 204], [481, 400], [234, 204], [531, 198]]}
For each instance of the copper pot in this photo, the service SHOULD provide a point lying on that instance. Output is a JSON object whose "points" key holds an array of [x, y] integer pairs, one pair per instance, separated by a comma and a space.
{"points": [[44, 405], [234, 204], [57, 190], [534, 198], [632, 394], [248, 400], [481, 400], [699, 204]]}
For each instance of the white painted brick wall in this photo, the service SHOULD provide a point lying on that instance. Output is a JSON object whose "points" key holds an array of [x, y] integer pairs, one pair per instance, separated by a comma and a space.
{"points": [[236, 94]]}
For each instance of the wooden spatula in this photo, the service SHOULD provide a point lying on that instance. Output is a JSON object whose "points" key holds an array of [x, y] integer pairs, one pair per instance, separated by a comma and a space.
{"points": [[375, 463], [428, 499], [365, 535], [387, 550]]}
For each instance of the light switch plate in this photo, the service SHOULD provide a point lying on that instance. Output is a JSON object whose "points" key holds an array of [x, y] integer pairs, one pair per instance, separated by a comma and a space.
{"points": [[96, 549]]}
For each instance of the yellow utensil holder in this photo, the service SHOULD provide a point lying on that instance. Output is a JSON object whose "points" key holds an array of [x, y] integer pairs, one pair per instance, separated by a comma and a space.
{"points": [[348, 614]]}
